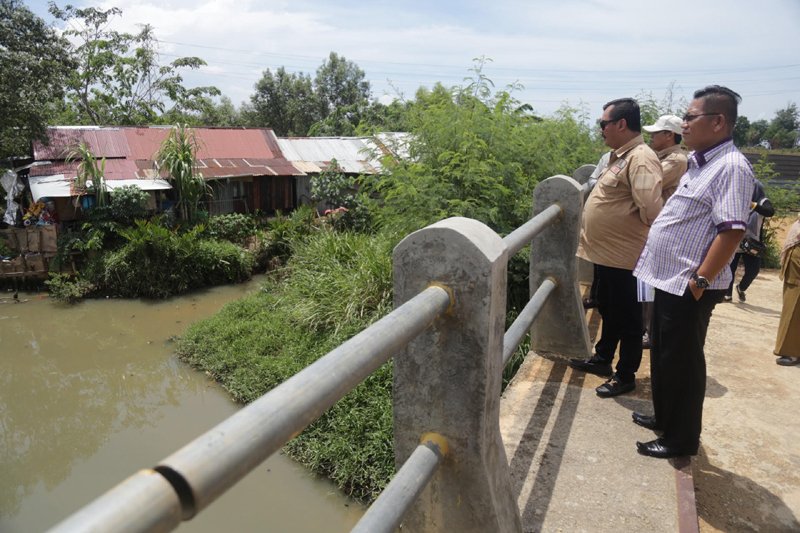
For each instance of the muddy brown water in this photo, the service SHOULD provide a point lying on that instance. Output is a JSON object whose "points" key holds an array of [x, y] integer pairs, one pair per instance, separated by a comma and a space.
{"points": [[92, 393]]}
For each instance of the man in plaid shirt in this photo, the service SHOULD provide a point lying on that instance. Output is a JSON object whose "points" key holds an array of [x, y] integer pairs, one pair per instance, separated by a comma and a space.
{"points": [[686, 259]]}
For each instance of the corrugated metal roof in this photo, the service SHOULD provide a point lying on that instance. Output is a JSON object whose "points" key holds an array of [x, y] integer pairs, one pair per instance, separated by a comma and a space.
{"points": [[129, 152], [355, 155]]}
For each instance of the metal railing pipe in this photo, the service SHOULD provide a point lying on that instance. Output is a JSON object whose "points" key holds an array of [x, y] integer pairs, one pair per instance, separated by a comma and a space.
{"points": [[218, 459], [523, 323], [517, 239], [143, 502], [386, 513], [205, 468]]}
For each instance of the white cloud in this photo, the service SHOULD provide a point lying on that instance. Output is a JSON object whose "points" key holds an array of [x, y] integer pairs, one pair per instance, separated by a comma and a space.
{"points": [[590, 50]]}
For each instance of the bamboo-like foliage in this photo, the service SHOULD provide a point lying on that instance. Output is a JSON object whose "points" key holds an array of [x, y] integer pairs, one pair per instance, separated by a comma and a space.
{"points": [[91, 172], [176, 157]]}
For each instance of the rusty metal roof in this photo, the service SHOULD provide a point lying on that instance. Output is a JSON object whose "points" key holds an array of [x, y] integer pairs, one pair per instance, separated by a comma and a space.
{"points": [[130, 151]]}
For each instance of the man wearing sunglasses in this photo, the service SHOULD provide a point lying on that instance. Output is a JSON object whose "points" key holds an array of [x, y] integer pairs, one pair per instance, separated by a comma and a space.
{"points": [[616, 219], [686, 259]]}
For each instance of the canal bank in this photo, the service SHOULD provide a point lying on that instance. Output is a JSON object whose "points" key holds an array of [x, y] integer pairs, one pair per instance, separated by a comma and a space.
{"points": [[92, 393]]}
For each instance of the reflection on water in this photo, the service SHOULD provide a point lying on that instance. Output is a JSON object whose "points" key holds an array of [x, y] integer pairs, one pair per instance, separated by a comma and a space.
{"points": [[91, 393]]}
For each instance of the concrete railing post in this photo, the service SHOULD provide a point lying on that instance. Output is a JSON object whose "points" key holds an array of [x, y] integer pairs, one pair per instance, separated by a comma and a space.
{"points": [[561, 327], [582, 175], [448, 380]]}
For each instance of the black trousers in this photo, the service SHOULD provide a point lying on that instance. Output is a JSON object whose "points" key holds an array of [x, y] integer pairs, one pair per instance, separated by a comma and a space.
{"points": [[752, 265], [622, 320], [678, 364]]}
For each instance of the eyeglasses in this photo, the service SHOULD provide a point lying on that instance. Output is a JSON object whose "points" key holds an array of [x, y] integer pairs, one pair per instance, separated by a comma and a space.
{"points": [[688, 118], [604, 123]]}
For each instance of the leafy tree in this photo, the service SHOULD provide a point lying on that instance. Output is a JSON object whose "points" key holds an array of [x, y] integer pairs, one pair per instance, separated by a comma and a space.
{"points": [[129, 203], [782, 131], [379, 117], [478, 154], [342, 93], [285, 102], [176, 157], [91, 173], [119, 79], [34, 63], [741, 130], [756, 132]]}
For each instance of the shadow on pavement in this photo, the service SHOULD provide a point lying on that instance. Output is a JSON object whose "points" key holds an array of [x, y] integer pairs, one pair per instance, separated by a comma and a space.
{"points": [[750, 508], [542, 492]]}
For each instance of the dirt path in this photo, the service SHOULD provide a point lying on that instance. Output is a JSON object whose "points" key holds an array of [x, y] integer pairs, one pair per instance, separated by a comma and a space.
{"points": [[747, 475]]}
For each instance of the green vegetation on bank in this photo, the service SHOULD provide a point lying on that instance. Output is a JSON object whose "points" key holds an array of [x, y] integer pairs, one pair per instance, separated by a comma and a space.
{"points": [[473, 153], [334, 285]]}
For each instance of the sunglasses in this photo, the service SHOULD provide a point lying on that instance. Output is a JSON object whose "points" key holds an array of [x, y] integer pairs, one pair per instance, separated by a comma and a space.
{"points": [[604, 123], [688, 118]]}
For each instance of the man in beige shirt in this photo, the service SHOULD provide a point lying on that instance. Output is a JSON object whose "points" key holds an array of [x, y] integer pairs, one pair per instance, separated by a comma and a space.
{"points": [[616, 220], [665, 140]]}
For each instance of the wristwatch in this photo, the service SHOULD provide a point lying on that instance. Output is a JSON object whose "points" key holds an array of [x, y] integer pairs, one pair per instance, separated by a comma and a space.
{"points": [[700, 281]]}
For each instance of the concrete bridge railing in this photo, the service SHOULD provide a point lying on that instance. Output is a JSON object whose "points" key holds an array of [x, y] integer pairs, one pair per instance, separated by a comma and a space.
{"points": [[449, 343]]}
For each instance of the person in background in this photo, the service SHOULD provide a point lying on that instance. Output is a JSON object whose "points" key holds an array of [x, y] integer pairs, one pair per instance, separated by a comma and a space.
{"points": [[616, 219], [686, 259], [665, 140], [787, 344], [761, 208], [591, 301]]}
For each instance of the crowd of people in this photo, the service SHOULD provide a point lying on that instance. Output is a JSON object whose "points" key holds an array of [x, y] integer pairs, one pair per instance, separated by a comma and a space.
{"points": [[666, 228]]}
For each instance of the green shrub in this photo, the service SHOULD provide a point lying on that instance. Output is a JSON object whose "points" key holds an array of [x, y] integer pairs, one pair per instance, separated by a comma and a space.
{"points": [[233, 227], [339, 284], [283, 231], [157, 262], [129, 203], [65, 288]]}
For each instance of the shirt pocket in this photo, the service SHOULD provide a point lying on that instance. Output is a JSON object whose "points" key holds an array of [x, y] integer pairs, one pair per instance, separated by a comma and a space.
{"points": [[609, 180]]}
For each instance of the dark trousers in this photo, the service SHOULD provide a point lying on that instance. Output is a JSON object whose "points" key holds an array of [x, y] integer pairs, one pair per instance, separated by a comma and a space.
{"points": [[752, 265], [678, 364], [622, 320]]}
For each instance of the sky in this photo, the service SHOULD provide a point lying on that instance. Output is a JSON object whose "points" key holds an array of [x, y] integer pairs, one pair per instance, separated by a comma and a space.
{"points": [[556, 52]]}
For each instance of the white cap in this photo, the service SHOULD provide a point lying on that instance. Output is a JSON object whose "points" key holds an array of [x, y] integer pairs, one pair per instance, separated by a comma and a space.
{"points": [[666, 123]]}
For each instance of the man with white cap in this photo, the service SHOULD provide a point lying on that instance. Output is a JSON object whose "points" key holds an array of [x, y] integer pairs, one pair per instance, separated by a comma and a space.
{"points": [[665, 140]]}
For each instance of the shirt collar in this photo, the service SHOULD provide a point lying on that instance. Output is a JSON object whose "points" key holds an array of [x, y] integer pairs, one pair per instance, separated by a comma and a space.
{"points": [[704, 156], [670, 150], [622, 150]]}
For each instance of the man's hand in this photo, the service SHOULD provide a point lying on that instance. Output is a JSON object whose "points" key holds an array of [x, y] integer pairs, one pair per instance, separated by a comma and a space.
{"points": [[697, 292]]}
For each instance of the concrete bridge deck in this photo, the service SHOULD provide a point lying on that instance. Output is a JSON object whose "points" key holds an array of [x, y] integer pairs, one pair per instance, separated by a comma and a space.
{"points": [[573, 459]]}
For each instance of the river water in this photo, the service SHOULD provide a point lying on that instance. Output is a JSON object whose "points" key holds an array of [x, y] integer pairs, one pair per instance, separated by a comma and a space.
{"points": [[92, 393]]}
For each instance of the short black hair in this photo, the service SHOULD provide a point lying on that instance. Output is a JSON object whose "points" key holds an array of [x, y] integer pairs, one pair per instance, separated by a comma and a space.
{"points": [[626, 108], [719, 99]]}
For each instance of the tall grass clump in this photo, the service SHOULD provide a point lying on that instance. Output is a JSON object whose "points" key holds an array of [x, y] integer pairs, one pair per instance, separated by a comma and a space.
{"points": [[333, 286], [157, 262]]}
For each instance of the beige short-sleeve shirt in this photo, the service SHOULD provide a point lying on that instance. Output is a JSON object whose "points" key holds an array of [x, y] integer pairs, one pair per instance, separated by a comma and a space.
{"points": [[674, 162], [624, 202]]}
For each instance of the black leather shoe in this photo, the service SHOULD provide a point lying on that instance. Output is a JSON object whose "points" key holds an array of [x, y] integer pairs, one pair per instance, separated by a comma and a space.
{"points": [[657, 448], [595, 365], [615, 387], [647, 422]]}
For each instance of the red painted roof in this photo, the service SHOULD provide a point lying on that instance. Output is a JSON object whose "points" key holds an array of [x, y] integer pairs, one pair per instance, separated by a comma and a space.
{"points": [[130, 151]]}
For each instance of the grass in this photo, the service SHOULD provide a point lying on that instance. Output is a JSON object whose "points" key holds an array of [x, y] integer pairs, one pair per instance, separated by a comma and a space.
{"points": [[334, 286]]}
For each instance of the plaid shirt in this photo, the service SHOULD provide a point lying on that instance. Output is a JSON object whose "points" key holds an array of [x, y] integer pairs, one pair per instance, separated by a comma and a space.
{"points": [[713, 196]]}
